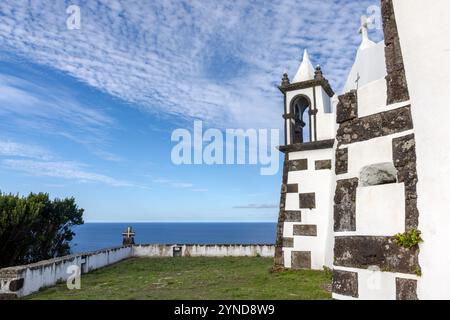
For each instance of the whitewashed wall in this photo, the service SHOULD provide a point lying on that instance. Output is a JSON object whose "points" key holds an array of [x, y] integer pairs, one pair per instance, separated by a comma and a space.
{"points": [[380, 209], [321, 182], [372, 98], [424, 30], [196, 250], [48, 272], [374, 285]]}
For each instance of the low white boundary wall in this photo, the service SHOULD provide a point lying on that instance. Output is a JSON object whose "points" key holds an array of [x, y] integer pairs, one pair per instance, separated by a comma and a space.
{"points": [[24, 280], [199, 250], [20, 281]]}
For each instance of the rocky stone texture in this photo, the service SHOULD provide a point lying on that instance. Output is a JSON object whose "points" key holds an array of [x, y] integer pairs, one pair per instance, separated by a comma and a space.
{"points": [[298, 165], [377, 174], [8, 296], [323, 164], [288, 242], [300, 260], [376, 125], [16, 285], [345, 283], [365, 251], [341, 165], [307, 200], [397, 87], [404, 154], [292, 188], [292, 216], [347, 108], [278, 263], [345, 205], [406, 289], [309, 230]]}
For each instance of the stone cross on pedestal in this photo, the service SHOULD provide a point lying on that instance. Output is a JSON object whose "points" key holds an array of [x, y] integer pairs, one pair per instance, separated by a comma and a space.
{"points": [[364, 29], [128, 237]]}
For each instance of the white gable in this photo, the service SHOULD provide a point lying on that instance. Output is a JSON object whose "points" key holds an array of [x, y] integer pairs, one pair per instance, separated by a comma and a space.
{"points": [[305, 71], [369, 65]]}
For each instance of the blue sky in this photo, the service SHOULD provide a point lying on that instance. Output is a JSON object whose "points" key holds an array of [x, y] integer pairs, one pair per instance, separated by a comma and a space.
{"points": [[89, 113]]}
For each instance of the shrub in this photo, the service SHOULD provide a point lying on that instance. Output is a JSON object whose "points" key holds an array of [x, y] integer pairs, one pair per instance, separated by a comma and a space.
{"points": [[35, 228]]}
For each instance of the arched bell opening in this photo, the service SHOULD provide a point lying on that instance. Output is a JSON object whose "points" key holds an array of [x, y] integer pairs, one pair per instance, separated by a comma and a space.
{"points": [[300, 121]]}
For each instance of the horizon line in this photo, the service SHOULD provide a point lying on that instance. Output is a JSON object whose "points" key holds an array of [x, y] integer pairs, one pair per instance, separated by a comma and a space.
{"points": [[185, 221]]}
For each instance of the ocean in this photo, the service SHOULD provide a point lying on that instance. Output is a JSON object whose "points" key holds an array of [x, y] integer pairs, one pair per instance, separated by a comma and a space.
{"points": [[95, 236]]}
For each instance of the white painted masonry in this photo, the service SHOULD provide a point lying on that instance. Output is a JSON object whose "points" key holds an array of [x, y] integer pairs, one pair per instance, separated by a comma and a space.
{"points": [[199, 250], [375, 285], [48, 272], [377, 191], [372, 98], [424, 29], [320, 182], [370, 152], [380, 209], [426, 57]]}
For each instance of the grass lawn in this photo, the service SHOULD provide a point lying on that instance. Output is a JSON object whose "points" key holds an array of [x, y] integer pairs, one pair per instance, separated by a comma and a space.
{"points": [[197, 278]]}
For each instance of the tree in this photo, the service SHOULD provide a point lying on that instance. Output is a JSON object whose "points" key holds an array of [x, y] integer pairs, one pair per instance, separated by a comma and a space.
{"points": [[35, 228]]}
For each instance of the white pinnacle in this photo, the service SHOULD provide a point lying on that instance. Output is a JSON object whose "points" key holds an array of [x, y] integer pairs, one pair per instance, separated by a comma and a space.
{"points": [[364, 30], [305, 71]]}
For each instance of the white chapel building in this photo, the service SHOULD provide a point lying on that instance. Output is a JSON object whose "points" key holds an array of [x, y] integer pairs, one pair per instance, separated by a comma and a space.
{"points": [[371, 165]]}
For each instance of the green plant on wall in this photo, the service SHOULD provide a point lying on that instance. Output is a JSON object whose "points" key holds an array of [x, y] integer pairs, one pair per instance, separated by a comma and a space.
{"points": [[418, 271], [408, 239]]}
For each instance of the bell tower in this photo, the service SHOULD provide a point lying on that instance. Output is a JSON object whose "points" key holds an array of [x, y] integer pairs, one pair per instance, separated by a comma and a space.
{"points": [[307, 110], [305, 224]]}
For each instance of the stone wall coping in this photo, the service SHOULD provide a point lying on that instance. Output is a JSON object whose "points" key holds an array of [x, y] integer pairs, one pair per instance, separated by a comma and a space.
{"points": [[39, 264]]}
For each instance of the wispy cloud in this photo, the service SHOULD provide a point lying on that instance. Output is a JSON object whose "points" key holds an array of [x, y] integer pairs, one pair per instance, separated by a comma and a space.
{"points": [[53, 111], [179, 184], [217, 61], [43, 163], [109, 156], [20, 97], [172, 183], [14, 149], [256, 206], [62, 169]]}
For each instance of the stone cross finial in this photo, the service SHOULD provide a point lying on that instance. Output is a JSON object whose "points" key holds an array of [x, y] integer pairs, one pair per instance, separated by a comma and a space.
{"points": [[364, 29], [285, 81], [318, 73], [128, 236]]}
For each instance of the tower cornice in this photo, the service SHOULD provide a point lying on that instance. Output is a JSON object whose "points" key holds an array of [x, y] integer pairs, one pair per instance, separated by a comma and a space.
{"points": [[315, 145], [308, 84]]}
